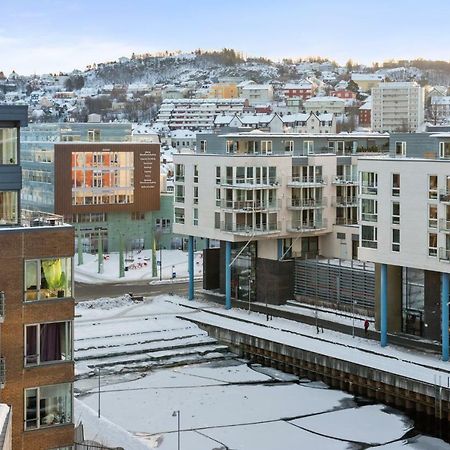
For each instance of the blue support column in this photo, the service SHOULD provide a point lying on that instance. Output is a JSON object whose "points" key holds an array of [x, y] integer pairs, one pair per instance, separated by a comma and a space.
{"points": [[191, 266], [444, 315], [383, 305], [227, 275], [280, 248]]}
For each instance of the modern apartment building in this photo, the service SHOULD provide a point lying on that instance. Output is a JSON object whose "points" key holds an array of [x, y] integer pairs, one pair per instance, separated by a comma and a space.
{"points": [[397, 106], [367, 81], [332, 105], [268, 198], [405, 230], [122, 169], [37, 307], [196, 114]]}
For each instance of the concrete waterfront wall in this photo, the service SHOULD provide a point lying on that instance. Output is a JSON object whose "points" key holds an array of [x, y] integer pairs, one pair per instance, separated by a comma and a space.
{"points": [[409, 395]]}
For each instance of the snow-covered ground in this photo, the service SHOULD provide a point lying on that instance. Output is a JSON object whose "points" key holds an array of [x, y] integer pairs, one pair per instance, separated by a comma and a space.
{"points": [[139, 265], [153, 362]]}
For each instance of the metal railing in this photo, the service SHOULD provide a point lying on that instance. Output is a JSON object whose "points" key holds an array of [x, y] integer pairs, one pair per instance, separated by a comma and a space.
{"points": [[346, 221], [40, 219], [317, 180], [369, 217], [272, 182], [369, 244], [300, 225], [250, 205], [369, 189], [307, 202], [345, 201], [271, 227], [345, 180]]}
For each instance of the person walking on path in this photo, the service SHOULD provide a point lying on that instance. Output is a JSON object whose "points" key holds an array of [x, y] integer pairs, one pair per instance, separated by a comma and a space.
{"points": [[366, 327]]}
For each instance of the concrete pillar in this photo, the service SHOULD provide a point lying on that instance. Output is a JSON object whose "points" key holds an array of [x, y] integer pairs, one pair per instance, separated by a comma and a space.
{"points": [[280, 248], [227, 275], [207, 243], [383, 305], [191, 267], [444, 314]]}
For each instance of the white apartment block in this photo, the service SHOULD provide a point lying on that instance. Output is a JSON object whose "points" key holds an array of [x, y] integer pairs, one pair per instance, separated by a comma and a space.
{"points": [[440, 108], [257, 93], [397, 106], [332, 105], [196, 114]]}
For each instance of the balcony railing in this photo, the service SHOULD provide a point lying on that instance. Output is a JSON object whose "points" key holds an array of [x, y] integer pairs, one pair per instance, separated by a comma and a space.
{"points": [[2, 372], [444, 195], [444, 254], [305, 226], [346, 221], [444, 225], [242, 183], [369, 217], [340, 180], [303, 203], [250, 205], [248, 230], [40, 219], [306, 181], [179, 199], [369, 244], [369, 189], [343, 202]]}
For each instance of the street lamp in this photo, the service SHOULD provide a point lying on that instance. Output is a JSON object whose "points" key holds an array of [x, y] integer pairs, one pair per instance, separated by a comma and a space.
{"points": [[177, 415]]}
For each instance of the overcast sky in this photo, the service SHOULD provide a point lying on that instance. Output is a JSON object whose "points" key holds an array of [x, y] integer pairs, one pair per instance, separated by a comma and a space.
{"points": [[52, 35]]}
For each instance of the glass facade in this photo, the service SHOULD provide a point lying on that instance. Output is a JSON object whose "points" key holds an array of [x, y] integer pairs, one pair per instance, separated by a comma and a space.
{"points": [[9, 207], [243, 272], [8, 146], [100, 178], [413, 299], [48, 278], [47, 406]]}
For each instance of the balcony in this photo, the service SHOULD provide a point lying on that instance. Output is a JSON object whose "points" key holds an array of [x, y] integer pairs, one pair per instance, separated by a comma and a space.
{"points": [[346, 221], [317, 181], [444, 225], [40, 219], [250, 183], [305, 203], [345, 181], [307, 226], [444, 254], [248, 230], [2, 372], [345, 202], [250, 205]]}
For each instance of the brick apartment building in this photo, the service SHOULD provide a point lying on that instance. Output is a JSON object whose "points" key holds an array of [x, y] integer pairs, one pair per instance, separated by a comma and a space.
{"points": [[36, 289]]}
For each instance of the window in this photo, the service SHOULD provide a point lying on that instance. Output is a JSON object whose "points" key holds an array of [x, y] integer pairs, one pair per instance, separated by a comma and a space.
{"points": [[340, 236], [48, 278], [8, 146], [400, 148], [137, 216], [217, 220], [231, 146], [195, 217], [395, 184], [48, 405], [179, 193], [163, 225], [266, 147], [432, 187], [395, 240], [203, 146], [369, 236], [369, 183], [369, 210], [179, 172], [289, 146], [9, 208], [48, 342], [308, 147], [432, 216], [217, 174], [94, 135], [396, 213], [218, 197], [179, 215], [444, 149], [432, 244], [195, 173], [195, 195]]}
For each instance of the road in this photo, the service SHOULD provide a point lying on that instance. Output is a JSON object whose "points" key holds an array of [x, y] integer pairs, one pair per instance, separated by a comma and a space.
{"points": [[85, 291]]}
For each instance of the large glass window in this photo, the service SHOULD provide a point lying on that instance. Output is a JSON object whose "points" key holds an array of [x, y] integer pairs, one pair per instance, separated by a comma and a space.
{"points": [[48, 278], [369, 183], [102, 178], [432, 187], [179, 172], [46, 406], [8, 207], [444, 149], [8, 146], [369, 236], [395, 184], [48, 342], [369, 210]]}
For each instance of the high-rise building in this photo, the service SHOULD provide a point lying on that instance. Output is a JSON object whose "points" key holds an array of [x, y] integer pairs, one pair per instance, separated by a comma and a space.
{"points": [[397, 106], [37, 307]]}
